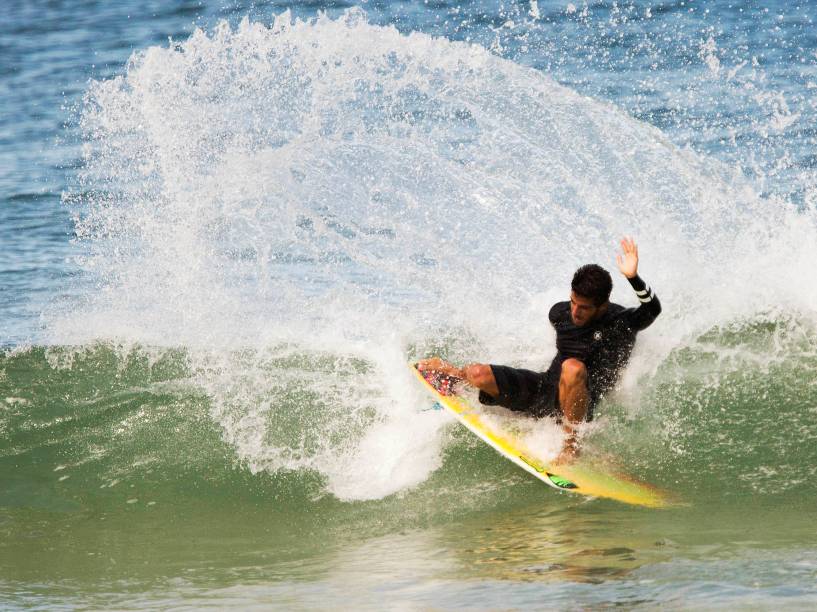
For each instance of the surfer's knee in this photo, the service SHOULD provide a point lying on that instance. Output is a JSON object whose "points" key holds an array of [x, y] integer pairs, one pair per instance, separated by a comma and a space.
{"points": [[482, 377], [574, 372], [479, 374]]}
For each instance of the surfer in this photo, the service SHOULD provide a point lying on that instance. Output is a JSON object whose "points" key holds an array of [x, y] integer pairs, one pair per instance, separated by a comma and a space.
{"points": [[594, 340]]}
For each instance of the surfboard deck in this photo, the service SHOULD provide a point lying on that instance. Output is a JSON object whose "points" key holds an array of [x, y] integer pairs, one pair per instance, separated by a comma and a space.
{"points": [[578, 477]]}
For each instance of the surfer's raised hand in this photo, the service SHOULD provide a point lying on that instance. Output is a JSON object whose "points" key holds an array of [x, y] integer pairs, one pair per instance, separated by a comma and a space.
{"points": [[627, 260]]}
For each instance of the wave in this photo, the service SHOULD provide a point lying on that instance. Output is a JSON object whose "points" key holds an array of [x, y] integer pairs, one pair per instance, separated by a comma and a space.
{"points": [[272, 220]]}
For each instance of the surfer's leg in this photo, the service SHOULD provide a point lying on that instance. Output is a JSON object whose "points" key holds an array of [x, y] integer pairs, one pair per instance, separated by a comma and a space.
{"points": [[478, 375], [574, 396], [481, 376]]}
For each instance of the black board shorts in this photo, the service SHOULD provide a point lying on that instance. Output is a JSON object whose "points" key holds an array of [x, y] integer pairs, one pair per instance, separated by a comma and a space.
{"points": [[536, 393]]}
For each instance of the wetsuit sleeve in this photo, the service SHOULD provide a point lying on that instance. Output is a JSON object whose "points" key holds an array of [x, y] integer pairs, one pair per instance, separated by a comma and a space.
{"points": [[643, 316], [553, 315]]}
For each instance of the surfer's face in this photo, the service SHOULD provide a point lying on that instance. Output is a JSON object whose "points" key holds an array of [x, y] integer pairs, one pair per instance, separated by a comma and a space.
{"points": [[583, 310]]}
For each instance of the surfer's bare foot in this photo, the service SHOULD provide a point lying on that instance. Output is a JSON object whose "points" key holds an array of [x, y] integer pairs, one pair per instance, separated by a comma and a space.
{"points": [[568, 455], [570, 449]]}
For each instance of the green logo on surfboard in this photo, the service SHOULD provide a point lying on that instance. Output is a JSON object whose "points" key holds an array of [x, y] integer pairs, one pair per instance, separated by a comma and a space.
{"points": [[562, 483]]}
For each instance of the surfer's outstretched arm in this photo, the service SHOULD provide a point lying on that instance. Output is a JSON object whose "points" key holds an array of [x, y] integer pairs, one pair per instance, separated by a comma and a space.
{"points": [[477, 375], [641, 317]]}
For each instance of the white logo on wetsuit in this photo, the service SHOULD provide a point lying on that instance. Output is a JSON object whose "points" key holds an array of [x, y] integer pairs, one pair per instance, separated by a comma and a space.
{"points": [[597, 336]]}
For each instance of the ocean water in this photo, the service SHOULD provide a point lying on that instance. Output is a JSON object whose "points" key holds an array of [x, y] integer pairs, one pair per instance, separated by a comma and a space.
{"points": [[226, 228]]}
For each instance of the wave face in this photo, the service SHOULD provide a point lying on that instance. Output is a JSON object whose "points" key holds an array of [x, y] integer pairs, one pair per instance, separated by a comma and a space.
{"points": [[723, 419], [300, 209]]}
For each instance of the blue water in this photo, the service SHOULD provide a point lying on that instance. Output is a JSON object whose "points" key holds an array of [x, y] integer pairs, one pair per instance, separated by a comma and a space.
{"points": [[225, 229]]}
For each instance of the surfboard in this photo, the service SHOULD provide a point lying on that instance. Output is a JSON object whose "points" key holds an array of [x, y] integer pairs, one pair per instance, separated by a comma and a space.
{"points": [[578, 477]]}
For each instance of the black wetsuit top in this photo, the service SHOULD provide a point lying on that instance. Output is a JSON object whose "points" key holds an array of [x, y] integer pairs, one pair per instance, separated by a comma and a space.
{"points": [[605, 345]]}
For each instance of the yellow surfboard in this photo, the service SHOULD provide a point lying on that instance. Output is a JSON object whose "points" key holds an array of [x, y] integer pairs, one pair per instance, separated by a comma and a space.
{"points": [[577, 477]]}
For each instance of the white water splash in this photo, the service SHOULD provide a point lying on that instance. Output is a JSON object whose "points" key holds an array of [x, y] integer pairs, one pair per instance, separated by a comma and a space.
{"points": [[343, 189]]}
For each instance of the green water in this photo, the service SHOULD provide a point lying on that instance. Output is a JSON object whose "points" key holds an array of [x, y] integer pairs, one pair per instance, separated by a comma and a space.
{"points": [[117, 486]]}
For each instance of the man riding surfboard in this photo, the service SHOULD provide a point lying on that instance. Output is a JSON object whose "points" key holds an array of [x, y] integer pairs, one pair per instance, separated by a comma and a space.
{"points": [[594, 340]]}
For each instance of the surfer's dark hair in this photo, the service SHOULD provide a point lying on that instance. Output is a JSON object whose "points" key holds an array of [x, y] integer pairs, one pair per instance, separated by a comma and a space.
{"points": [[592, 282]]}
